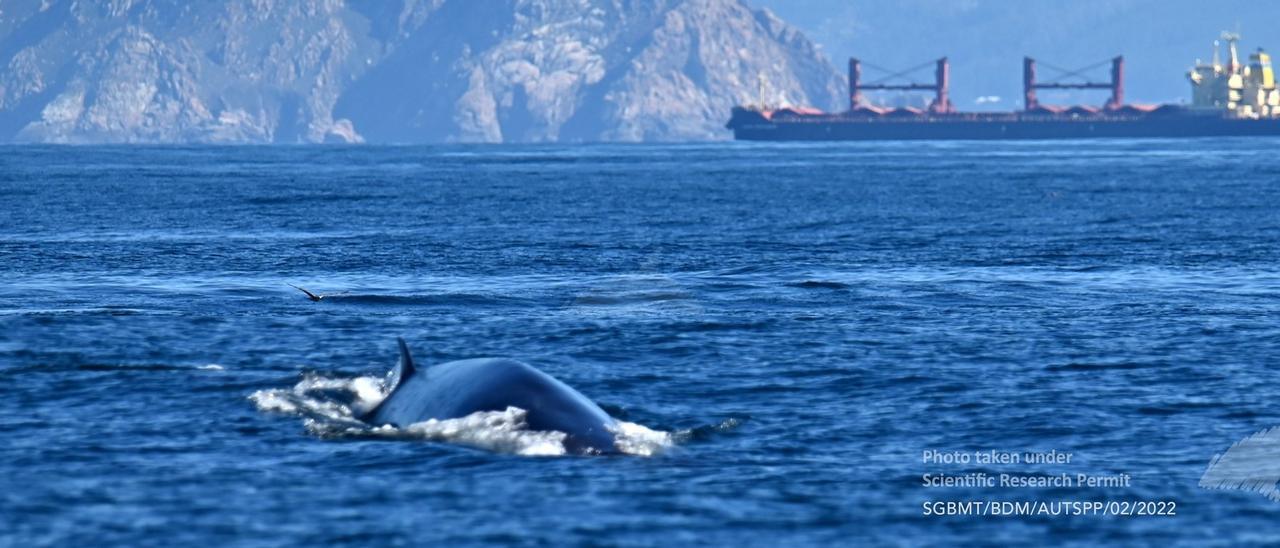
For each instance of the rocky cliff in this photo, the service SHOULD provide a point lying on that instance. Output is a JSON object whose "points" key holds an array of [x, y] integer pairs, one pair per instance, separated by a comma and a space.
{"points": [[394, 70]]}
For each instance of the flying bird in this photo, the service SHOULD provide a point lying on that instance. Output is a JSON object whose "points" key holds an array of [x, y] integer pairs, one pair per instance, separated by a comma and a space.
{"points": [[310, 295]]}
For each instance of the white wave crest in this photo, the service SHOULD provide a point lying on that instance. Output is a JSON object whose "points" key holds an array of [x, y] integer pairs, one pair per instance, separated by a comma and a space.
{"points": [[638, 439], [498, 431], [329, 407], [323, 398]]}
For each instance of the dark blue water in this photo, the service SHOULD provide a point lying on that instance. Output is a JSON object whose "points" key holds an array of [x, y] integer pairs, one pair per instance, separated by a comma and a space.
{"points": [[803, 322]]}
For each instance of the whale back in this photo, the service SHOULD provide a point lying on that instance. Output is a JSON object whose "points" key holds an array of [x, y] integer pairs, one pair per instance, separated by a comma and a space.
{"points": [[457, 389]]}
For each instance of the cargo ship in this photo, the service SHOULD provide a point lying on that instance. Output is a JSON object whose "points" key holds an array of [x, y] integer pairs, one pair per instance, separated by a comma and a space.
{"points": [[1228, 99]]}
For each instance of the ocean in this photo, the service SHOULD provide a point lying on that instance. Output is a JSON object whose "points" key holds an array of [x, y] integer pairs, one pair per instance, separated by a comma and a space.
{"points": [[810, 344]]}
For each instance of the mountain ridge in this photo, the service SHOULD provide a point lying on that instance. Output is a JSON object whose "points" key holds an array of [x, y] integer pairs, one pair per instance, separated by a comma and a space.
{"points": [[310, 71]]}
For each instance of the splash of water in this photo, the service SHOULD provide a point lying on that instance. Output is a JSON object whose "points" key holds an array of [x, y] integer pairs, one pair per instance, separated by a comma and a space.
{"points": [[637, 439]]}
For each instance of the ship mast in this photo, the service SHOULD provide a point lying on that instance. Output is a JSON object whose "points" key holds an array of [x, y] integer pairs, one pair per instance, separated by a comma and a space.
{"points": [[1234, 65]]}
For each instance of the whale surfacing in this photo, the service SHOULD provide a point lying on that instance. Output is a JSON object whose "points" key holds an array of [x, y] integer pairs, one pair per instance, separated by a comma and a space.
{"points": [[459, 388]]}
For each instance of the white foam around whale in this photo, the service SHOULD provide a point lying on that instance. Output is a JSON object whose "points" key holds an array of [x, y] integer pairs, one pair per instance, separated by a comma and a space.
{"points": [[329, 407]]}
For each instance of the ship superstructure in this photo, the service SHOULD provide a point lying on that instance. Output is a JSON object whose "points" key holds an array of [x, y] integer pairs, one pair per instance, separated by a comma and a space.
{"points": [[1248, 91]]}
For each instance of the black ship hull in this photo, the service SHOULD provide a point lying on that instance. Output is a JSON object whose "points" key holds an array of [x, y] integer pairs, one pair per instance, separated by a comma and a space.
{"points": [[751, 125]]}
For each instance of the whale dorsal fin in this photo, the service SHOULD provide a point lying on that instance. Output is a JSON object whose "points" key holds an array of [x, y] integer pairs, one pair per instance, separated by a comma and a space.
{"points": [[405, 368], [401, 373]]}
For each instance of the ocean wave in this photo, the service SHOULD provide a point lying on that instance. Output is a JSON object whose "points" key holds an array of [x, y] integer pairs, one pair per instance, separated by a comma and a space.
{"points": [[639, 297], [819, 284], [440, 299]]}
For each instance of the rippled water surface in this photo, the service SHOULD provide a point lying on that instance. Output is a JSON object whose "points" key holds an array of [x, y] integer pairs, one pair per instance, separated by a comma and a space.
{"points": [[796, 324]]}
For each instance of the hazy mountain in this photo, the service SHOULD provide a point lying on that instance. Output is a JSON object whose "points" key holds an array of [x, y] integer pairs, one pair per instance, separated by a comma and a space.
{"points": [[393, 70]]}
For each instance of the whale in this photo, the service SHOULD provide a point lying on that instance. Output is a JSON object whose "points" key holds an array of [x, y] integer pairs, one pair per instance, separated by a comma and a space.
{"points": [[459, 388]]}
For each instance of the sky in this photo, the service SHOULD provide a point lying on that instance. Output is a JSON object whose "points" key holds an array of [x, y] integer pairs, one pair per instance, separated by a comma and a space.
{"points": [[987, 39]]}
